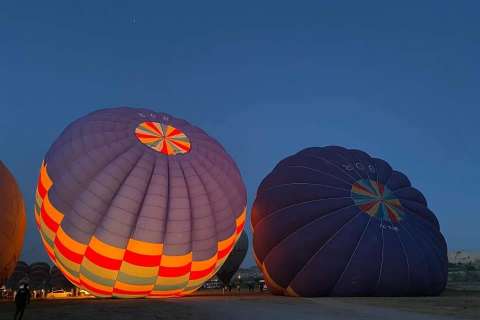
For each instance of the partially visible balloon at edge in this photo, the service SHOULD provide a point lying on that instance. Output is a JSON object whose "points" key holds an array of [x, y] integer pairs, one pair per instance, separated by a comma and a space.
{"points": [[234, 260], [12, 223]]}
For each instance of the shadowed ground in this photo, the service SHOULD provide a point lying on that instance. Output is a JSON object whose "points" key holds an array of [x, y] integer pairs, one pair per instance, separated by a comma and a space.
{"points": [[451, 305]]}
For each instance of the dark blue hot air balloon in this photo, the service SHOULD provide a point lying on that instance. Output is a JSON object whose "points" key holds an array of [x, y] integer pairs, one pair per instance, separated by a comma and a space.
{"points": [[234, 260], [334, 221]]}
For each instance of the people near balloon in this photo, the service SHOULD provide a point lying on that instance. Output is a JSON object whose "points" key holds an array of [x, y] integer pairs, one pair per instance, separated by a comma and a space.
{"points": [[22, 298], [12, 223], [135, 203], [234, 260], [333, 221]]}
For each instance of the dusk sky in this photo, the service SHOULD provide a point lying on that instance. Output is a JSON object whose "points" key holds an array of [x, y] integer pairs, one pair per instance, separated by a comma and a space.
{"points": [[398, 80]]}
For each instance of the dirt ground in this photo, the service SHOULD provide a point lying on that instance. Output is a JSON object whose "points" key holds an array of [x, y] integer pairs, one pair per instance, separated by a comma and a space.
{"points": [[213, 305], [462, 304]]}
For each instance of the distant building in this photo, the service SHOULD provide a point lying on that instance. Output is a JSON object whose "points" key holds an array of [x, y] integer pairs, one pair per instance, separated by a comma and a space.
{"points": [[250, 274], [40, 277], [243, 276], [462, 256], [213, 283]]}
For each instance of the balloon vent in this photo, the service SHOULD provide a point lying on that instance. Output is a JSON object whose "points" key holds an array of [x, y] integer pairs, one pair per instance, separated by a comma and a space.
{"points": [[377, 200], [163, 138]]}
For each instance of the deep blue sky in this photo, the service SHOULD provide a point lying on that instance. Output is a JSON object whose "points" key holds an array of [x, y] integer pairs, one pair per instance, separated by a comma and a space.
{"points": [[400, 81]]}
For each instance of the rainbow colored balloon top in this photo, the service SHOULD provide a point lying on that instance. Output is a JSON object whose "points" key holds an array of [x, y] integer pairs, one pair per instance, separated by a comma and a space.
{"points": [[375, 199], [163, 138], [134, 203]]}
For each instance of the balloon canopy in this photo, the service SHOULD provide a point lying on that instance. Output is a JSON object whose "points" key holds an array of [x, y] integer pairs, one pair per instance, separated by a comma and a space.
{"points": [[334, 221], [134, 203], [57, 280], [39, 274], [12, 223], [20, 272], [234, 260]]}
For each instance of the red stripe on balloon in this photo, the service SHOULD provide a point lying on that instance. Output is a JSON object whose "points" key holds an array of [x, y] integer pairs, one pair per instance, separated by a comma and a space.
{"points": [[95, 290], [240, 228], [174, 271], [142, 135], [164, 147], [67, 253], [52, 225], [161, 294], [142, 259], [153, 127], [174, 132], [194, 275], [224, 252], [41, 189], [101, 260], [128, 292], [184, 148]]}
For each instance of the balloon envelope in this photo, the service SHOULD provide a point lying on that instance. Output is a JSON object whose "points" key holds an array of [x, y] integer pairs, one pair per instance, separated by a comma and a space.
{"points": [[12, 223], [57, 280], [333, 221], [234, 260], [39, 274], [134, 203], [19, 273]]}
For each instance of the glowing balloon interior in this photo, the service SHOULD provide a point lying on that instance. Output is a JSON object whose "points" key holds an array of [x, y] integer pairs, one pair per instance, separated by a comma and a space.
{"points": [[12, 223], [133, 203]]}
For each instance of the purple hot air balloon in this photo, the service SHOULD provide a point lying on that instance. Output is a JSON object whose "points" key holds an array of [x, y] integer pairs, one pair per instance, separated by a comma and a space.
{"points": [[134, 203], [334, 221]]}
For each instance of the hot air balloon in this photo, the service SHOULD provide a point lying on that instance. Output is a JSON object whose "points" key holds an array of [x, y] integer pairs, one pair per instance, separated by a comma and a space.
{"points": [[134, 203], [39, 274], [58, 281], [333, 221], [234, 260], [12, 223], [19, 273]]}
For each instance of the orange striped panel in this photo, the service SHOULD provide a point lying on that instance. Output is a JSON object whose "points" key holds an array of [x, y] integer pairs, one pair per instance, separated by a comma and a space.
{"points": [[175, 266], [105, 273], [53, 214], [106, 270], [97, 289]]}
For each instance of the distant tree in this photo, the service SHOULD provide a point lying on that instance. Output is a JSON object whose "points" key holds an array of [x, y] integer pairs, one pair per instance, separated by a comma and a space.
{"points": [[471, 273]]}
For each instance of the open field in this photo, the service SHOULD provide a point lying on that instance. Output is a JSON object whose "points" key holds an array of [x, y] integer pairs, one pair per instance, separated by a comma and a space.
{"points": [[454, 304], [451, 305]]}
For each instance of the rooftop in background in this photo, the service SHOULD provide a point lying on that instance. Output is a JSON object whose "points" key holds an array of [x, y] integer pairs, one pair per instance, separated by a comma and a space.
{"points": [[461, 256]]}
